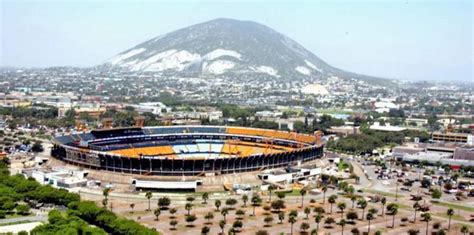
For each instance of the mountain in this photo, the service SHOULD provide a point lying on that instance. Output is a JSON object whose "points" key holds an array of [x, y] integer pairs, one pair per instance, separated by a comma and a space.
{"points": [[227, 47]]}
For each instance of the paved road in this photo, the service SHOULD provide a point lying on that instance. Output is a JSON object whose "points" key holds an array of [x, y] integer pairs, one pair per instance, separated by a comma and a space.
{"points": [[26, 218]]}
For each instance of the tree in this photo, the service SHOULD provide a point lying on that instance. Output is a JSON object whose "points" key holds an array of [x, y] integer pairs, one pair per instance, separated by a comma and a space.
{"points": [[261, 232], [23, 209], [237, 225], [278, 205], [217, 204], [281, 216], [362, 203], [341, 206], [190, 199], [240, 213], [392, 208], [303, 192], [427, 218], [329, 221], [231, 202], [190, 219], [370, 217], [37, 147], [436, 194], [105, 193], [450, 213], [332, 200], [352, 215], [317, 220], [188, 206], [353, 199], [172, 212], [355, 231], [132, 205], [245, 198], [304, 226], [209, 216], [342, 223], [224, 212], [205, 196], [270, 189], [413, 232], [292, 221], [307, 211], [256, 201], [164, 202], [157, 213], [173, 223], [416, 207], [383, 201], [222, 225], [148, 196], [268, 219], [464, 229], [324, 189], [205, 230]]}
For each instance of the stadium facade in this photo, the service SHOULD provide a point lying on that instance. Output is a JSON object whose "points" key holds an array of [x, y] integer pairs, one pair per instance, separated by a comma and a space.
{"points": [[186, 150]]}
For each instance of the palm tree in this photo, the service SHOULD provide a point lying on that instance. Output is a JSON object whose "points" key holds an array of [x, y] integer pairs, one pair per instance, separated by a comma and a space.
{"points": [[393, 209], [318, 219], [416, 207], [450, 213], [307, 211], [342, 223], [218, 204], [149, 195], [427, 218], [383, 201], [464, 229], [270, 190], [222, 225], [256, 201], [292, 220], [281, 216], [341, 206], [303, 192], [188, 207], [370, 217], [205, 196], [332, 200], [132, 205], [362, 203], [324, 189], [245, 198], [224, 212], [353, 199]]}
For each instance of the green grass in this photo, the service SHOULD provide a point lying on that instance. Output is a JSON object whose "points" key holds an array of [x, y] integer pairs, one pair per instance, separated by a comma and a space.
{"points": [[454, 206], [382, 193], [454, 217]]}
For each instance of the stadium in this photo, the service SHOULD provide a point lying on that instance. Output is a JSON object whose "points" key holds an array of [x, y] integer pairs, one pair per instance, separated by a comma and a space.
{"points": [[186, 150]]}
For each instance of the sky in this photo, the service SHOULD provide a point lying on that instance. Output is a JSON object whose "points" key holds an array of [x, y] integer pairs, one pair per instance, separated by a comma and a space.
{"points": [[411, 40]]}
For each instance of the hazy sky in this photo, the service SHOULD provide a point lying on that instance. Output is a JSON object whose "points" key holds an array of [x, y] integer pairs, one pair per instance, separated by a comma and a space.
{"points": [[395, 39]]}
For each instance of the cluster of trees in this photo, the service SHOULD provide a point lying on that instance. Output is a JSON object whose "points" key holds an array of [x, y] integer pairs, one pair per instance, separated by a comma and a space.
{"points": [[18, 193], [368, 140]]}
